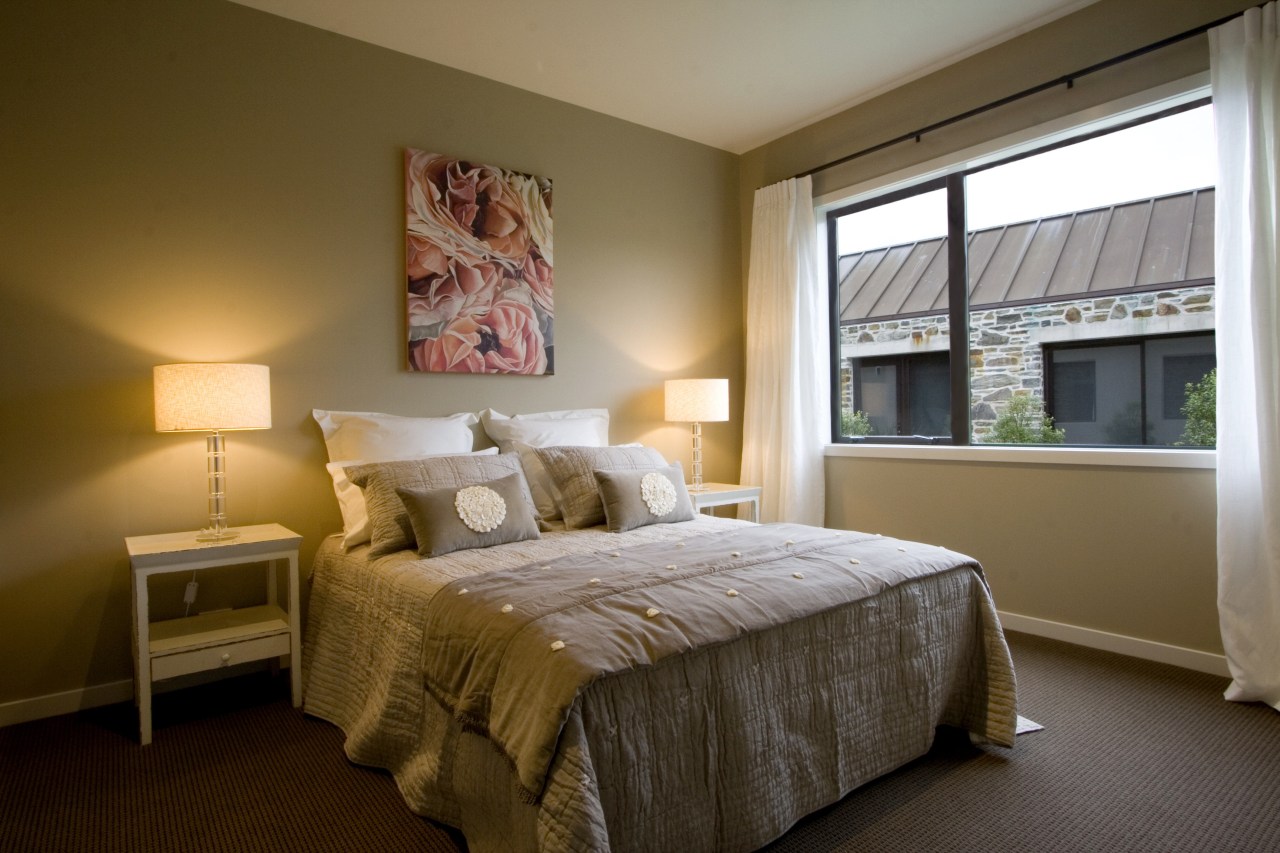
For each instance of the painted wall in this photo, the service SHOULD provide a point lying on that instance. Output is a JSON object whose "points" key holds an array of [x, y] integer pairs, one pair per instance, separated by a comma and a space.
{"points": [[1129, 550], [201, 181]]}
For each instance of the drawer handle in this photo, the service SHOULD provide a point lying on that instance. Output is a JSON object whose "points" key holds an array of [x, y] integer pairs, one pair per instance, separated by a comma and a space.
{"points": [[226, 658]]}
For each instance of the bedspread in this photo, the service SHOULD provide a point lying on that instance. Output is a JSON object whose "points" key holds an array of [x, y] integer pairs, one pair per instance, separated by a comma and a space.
{"points": [[509, 652], [720, 748]]}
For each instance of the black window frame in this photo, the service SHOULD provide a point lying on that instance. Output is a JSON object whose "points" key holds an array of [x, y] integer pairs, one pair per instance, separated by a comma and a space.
{"points": [[957, 282]]}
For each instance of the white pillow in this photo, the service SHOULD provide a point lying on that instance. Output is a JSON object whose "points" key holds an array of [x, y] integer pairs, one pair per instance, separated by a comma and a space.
{"points": [[356, 529], [376, 437], [581, 427], [522, 433]]}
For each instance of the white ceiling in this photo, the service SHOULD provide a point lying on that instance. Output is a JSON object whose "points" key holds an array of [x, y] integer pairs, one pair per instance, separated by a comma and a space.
{"points": [[732, 74]]}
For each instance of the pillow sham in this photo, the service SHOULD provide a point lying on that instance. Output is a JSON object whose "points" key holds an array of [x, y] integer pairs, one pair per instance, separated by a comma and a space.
{"points": [[573, 480], [479, 516], [634, 499], [355, 514], [378, 437], [522, 433], [389, 521]]}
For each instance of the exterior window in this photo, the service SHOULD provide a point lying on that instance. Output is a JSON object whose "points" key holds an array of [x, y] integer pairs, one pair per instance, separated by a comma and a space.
{"points": [[1062, 296], [1126, 393], [902, 395]]}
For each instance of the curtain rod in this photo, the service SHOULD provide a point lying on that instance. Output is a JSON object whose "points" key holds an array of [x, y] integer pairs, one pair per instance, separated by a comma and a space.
{"points": [[1066, 79]]}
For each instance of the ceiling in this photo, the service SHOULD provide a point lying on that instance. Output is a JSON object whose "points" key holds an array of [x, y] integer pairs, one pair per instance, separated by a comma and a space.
{"points": [[732, 74]]}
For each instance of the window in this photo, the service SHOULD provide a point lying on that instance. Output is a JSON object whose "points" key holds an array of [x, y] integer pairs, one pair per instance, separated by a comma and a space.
{"points": [[1130, 393], [1087, 297], [902, 395]]}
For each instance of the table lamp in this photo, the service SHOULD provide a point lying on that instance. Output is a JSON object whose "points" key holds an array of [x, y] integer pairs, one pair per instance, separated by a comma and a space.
{"points": [[695, 401], [215, 398]]}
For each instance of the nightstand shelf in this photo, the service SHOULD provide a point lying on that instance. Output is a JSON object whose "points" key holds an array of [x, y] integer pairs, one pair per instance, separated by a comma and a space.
{"points": [[220, 638], [724, 494]]}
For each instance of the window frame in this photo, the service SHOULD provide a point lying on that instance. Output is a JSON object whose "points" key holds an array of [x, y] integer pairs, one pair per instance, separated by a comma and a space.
{"points": [[953, 180]]}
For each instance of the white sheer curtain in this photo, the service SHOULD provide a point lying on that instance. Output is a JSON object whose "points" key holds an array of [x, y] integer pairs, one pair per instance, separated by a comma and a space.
{"points": [[786, 418], [1245, 73]]}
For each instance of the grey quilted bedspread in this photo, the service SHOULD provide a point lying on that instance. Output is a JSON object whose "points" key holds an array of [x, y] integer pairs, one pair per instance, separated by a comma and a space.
{"points": [[721, 747], [510, 651]]}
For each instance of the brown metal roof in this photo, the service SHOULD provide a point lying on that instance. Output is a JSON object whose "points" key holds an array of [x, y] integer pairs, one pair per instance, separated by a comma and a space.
{"points": [[1165, 241]]}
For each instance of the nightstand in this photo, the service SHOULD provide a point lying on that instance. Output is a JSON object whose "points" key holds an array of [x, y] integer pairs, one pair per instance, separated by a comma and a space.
{"points": [[172, 647], [723, 494]]}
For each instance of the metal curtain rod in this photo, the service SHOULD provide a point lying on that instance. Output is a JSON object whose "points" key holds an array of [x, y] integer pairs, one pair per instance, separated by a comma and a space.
{"points": [[1067, 79]]}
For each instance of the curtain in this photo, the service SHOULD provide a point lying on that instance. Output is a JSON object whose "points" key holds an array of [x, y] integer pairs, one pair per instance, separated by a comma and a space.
{"points": [[786, 420], [1245, 74]]}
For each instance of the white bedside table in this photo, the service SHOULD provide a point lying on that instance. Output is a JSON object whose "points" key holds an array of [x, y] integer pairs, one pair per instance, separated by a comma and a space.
{"points": [[207, 641], [723, 494]]}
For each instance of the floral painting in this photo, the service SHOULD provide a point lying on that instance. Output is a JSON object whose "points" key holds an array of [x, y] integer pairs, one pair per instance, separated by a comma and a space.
{"points": [[478, 256]]}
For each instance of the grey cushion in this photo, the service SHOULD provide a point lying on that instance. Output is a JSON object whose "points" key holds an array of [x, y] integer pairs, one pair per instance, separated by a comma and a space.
{"points": [[389, 520], [573, 478], [626, 505], [438, 525]]}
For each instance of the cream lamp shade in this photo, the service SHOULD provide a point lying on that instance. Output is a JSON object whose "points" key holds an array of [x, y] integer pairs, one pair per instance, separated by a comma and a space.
{"points": [[697, 400], [213, 398], [194, 397], [694, 401]]}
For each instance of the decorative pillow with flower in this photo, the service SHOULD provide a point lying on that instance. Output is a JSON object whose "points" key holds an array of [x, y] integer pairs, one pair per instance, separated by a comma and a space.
{"points": [[634, 499], [392, 529], [476, 516], [573, 476]]}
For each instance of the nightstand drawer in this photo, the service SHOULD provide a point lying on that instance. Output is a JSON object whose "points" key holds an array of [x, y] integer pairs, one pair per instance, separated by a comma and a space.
{"points": [[213, 657]]}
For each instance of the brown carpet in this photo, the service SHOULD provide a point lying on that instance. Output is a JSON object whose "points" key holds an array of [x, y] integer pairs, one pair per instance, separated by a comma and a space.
{"points": [[1135, 756]]}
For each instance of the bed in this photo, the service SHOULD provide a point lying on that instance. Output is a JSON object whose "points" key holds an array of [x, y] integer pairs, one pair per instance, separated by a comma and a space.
{"points": [[698, 684]]}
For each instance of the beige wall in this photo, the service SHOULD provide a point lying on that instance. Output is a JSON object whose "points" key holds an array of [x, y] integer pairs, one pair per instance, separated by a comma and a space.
{"points": [[201, 181], [1127, 550]]}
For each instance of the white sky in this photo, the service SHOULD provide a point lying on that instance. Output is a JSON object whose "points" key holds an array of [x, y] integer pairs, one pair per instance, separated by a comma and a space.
{"points": [[1160, 157]]}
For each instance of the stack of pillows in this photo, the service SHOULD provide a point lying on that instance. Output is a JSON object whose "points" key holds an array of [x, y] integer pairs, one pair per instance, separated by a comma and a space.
{"points": [[416, 483]]}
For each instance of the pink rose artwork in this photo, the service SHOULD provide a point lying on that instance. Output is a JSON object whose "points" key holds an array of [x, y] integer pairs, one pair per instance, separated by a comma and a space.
{"points": [[479, 265]]}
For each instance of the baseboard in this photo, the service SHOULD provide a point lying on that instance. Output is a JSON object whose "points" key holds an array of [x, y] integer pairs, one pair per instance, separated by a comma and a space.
{"points": [[70, 701], [1118, 643], [66, 702]]}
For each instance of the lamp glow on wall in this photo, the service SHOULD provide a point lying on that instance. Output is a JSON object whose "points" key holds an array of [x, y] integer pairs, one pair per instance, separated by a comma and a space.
{"points": [[213, 398], [696, 401]]}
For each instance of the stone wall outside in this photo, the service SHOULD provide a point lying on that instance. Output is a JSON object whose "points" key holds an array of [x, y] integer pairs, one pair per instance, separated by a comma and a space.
{"points": [[1006, 357]]}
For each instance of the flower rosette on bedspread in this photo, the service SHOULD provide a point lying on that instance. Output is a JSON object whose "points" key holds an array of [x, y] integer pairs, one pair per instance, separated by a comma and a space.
{"points": [[508, 652], [480, 267]]}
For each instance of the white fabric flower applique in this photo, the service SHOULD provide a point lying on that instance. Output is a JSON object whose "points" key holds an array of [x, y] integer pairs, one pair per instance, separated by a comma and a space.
{"points": [[480, 508], [658, 494]]}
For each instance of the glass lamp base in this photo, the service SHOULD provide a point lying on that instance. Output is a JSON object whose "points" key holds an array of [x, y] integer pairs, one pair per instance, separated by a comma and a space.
{"points": [[211, 535]]}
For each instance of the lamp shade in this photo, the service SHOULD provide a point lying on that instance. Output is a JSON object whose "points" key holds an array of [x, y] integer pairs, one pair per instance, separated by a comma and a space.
{"points": [[192, 397], [697, 400]]}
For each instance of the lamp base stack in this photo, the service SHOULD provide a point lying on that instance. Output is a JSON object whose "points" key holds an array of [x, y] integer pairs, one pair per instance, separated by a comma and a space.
{"points": [[217, 530]]}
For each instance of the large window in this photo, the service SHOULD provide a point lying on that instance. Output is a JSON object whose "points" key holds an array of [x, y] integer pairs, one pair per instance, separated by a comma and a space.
{"points": [[1063, 295]]}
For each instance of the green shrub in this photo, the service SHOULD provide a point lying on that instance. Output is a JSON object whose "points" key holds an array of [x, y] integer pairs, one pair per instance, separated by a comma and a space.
{"points": [[1024, 422], [854, 424], [1201, 412]]}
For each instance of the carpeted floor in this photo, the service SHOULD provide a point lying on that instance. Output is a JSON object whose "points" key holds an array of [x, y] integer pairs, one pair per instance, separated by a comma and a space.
{"points": [[1134, 756]]}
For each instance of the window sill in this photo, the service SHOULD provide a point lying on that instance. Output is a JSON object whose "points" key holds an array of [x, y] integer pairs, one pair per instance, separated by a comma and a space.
{"points": [[1118, 457]]}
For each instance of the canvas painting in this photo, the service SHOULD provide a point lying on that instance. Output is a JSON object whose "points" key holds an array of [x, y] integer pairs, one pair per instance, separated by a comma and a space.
{"points": [[479, 263]]}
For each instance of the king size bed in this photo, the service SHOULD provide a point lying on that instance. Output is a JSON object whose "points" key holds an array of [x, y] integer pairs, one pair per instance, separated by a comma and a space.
{"points": [[641, 684]]}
